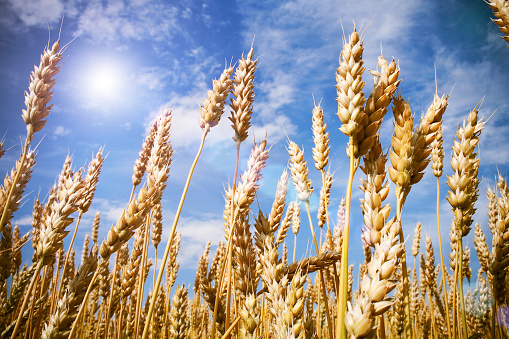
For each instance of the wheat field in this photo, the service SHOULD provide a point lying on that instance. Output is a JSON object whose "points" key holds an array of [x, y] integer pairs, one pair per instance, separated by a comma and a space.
{"points": [[253, 286]]}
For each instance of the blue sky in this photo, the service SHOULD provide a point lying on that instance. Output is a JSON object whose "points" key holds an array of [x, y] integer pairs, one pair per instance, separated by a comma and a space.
{"points": [[127, 59]]}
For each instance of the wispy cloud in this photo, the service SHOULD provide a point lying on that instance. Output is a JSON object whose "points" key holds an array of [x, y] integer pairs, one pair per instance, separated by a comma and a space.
{"points": [[154, 78], [60, 131], [132, 20], [38, 12]]}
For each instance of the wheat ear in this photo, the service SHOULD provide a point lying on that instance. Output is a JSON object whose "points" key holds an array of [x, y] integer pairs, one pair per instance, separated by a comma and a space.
{"points": [[501, 11], [351, 113], [240, 117], [37, 108], [463, 188], [89, 187], [60, 322]]}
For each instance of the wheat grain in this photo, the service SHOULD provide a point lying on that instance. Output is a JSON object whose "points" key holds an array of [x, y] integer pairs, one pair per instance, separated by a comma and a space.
{"points": [[324, 200], [320, 138], [22, 171], [40, 89], [437, 153], [244, 256], [349, 90], [212, 108], [293, 207], [483, 253], [375, 189], [500, 252], [463, 183], [54, 231], [375, 107], [250, 317], [179, 324], [243, 92], [501, 11], [91, 180], [60, 322], [129, 221], [140, 164], [276, 212], [157, 224], [417, 239], [201, 271], [300, 171]]}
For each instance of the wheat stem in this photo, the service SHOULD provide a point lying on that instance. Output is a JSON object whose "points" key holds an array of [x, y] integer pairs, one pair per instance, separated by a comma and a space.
{"points": [[294, 245], [27, 297], [66, 262], [404, 272], [326, 205], [343, 285], [454, 291], [141, 281], [230, 328], [460, 285], [172, 234], [442, 261], [13, 186], [230, 239], [110, 300], [322, 280]]}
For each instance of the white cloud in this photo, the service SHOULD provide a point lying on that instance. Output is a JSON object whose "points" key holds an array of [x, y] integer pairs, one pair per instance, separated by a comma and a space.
{"points": [[38, 12], [154, 78], [61, 131], [25, 220], [136, 20], [196, 231]]}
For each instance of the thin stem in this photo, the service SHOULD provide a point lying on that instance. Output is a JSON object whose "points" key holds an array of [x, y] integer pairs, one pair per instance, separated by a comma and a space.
{"points": [[25, 301], [311, 226], [442, 261], [68, 254], [132, 193], [53, 285], [227, 263], [232, 326], [343, 286], [460, 281], [230, 252], [322, 280], [294, 245], [219, 288], [110, 300], [454, 291], [155, 270], [170, 240], [493, 316], [84, 303], [141, 282], [433, 320], [406, 298], [381, 326], [326, 206], [120, 315], [14, 183]]}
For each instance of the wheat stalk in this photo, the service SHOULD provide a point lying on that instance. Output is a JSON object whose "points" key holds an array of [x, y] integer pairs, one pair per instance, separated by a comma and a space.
{"points": [[463, 188], [210, 114]]}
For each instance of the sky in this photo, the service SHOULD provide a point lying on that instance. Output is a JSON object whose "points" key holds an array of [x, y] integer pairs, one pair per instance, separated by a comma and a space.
{"points": [[126, 60]]}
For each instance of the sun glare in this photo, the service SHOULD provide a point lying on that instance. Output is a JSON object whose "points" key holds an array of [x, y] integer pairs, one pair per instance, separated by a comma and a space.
{"points": [[104, 83]]}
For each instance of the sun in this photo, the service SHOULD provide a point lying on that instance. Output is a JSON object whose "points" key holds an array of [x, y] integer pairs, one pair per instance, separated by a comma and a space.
{"points": [[104, 83]]}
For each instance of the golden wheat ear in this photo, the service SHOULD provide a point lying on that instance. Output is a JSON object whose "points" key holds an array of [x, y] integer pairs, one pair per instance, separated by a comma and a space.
{"points": [[501, 12]]}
